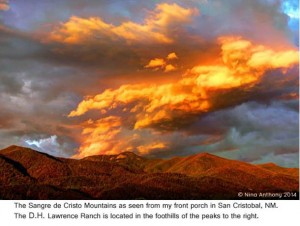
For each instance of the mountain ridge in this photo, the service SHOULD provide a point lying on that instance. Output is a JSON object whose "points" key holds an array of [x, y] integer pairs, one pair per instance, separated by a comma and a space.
{"points": [[129, 176]]}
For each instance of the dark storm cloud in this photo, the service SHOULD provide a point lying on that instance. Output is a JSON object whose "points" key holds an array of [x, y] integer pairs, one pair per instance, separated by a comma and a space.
{"points": [[252, 131]]}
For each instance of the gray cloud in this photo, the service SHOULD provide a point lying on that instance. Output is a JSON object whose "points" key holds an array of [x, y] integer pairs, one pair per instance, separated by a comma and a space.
{"points": [[252, 131]]}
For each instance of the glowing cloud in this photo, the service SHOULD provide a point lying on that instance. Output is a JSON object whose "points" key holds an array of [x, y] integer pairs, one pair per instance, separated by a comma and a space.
{"points": [[165, 107], [154, 29], [172, 56], [169, 68], [108, 136], [159, 63], [100, 136], [146, 149]]}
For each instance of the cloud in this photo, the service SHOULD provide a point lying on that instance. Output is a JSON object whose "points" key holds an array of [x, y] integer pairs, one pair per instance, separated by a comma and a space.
{"points": [[155, 28], [159, 63], [22, 93], [101, 136], [172, 56], [170, 68], [4, 5], [270, 59], [290, 8], [232, 73], [156, 63], [108, 136], [46, 145], [82, 40], [150, 148], [202, 89], [253, 131], [100, 42]]}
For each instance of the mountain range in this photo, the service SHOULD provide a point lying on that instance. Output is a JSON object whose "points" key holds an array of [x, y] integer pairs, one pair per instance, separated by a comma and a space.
{"points": [[29, 174]]}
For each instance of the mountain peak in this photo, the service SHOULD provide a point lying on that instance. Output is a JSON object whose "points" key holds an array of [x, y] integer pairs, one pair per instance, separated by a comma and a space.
{"points": [[268, 164], [12, 148], [206, 155]]}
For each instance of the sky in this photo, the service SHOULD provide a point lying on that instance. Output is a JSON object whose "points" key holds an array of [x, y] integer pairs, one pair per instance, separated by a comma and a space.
{"points": [[158, 78]]}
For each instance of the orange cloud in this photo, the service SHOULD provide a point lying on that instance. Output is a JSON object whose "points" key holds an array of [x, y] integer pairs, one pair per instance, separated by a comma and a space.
{"points": [[170, 68], [108, 136], [166, 105], [242, 56], [172, 56], [100, 136], [157, 62], [154, 29], [268, 58], [146, 149], [4, 5]]}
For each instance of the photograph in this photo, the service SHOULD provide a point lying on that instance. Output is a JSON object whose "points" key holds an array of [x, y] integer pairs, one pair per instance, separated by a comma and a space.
{"points": [[149, 100]]}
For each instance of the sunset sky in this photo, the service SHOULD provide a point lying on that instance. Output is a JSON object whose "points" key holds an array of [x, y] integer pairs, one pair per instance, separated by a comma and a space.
{"points": [[159, 78]]}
